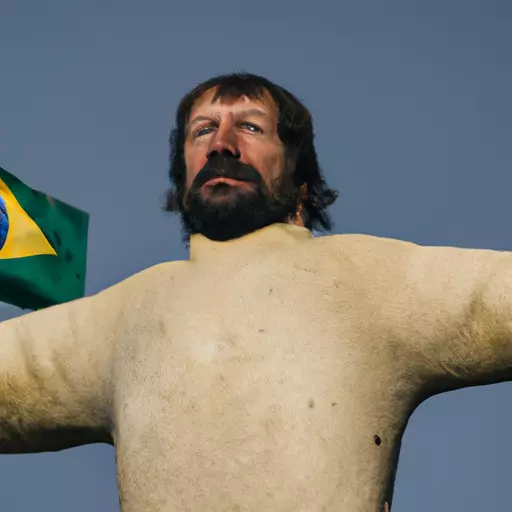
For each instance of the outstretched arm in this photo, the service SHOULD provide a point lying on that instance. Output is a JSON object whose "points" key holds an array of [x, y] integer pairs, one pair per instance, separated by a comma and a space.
{"points": [[54, 375], [452, 309]]}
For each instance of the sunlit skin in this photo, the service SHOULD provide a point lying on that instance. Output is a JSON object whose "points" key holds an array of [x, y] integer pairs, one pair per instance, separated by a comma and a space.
{"points": [[245, 128]]}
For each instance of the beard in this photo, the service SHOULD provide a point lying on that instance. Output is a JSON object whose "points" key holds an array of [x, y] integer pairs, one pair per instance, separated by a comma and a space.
{"points": [[223, 212]]}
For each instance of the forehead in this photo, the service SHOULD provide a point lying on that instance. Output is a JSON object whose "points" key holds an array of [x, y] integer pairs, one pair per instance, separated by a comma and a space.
{"points": [[208, 103]]}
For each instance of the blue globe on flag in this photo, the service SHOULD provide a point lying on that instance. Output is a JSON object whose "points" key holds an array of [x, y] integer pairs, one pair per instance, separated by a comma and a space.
{"points": [[4, 222]]}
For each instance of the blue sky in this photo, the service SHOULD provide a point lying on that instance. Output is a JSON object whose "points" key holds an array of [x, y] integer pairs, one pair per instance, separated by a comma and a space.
{"points": [[412, 108]]}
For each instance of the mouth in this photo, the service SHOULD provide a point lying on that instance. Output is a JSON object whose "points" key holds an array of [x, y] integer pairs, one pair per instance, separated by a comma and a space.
{"points": [[226, 181]]}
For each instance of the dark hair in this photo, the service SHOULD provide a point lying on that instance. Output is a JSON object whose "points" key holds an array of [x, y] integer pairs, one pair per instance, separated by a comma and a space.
{"points": [[295, 129]]}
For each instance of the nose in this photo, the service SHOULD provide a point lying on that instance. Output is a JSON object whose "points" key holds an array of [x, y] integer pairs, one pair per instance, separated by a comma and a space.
{"points": [[224, 141]]}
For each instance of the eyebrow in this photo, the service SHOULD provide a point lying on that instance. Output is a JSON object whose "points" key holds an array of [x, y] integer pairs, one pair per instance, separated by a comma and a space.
{"points": [[197, 119], [249, 112]]}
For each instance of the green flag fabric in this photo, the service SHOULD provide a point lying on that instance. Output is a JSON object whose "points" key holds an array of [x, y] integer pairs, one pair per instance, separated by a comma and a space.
{"points": [[43, 247]]}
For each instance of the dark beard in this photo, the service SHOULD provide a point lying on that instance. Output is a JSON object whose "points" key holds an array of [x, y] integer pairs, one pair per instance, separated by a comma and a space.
{"points": [[229, 212]]}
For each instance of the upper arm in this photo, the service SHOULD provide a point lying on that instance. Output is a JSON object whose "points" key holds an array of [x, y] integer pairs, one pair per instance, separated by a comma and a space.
{"points": [[54, 375], [452, 309]]}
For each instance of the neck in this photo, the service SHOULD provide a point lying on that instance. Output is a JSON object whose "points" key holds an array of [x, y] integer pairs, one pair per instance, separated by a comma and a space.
{"points": [[261, 239]]}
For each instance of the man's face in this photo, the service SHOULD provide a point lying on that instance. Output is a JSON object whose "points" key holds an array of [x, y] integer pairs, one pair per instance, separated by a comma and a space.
{"points": [[235, 181]]}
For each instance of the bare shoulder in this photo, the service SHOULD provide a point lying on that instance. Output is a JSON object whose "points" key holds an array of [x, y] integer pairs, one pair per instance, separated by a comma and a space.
{"points": [[363, 247], [167, 270], [147, 283]]}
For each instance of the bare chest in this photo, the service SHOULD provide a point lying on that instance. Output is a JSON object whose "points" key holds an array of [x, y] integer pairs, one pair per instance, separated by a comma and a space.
{"points": [[277, 399]]}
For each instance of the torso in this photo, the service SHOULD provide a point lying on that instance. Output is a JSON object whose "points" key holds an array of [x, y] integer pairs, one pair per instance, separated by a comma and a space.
{"points": [[260, 381]]}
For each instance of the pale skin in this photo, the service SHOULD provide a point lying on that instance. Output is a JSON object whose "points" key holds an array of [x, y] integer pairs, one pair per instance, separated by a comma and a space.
{"points": [[271, 373]]}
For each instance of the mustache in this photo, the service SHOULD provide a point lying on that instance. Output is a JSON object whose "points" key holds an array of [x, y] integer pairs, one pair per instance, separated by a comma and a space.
{"points": [[221, 166]]}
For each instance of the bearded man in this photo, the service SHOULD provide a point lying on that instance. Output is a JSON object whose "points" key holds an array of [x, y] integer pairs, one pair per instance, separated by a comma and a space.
{"points": [[272, 371]]}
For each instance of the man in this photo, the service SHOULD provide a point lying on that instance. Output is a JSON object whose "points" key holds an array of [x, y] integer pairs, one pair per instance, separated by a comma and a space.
{"points": [[243, 158], [272, 371]]}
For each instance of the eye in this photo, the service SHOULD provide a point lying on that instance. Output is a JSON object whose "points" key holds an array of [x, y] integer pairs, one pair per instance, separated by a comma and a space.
{"points": [[203, 131], [251, 127]]}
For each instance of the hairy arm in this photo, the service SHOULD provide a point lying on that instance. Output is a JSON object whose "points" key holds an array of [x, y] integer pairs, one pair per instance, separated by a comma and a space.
{"points": [[452, 309], [55, 375]]}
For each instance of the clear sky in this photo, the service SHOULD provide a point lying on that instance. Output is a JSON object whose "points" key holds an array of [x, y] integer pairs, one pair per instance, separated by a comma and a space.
{"points": [[412, 107]]}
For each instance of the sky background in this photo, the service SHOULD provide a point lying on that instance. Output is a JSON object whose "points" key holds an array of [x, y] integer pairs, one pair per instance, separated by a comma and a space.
{"points": [[412, 107]]}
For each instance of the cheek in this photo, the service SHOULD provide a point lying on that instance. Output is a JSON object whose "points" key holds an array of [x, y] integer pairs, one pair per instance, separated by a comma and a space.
{"points": [[273, 166], [193, 163]]}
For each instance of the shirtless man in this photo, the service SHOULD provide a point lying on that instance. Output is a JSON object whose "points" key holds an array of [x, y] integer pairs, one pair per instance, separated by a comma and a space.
{"points": [[272, 371]]}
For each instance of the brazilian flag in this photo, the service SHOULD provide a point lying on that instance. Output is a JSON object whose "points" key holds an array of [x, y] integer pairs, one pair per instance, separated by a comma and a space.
{"points": [[43, 247]]}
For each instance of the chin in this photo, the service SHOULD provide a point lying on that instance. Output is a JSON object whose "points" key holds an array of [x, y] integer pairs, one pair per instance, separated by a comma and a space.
{"points": [[228, 212]]}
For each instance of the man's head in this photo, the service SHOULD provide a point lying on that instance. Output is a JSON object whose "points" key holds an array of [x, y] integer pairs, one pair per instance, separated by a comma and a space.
{"points": [[242, 158]]}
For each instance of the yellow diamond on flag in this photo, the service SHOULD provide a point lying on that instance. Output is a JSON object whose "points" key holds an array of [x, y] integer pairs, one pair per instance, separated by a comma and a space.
{"points": [[22, 237]]}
